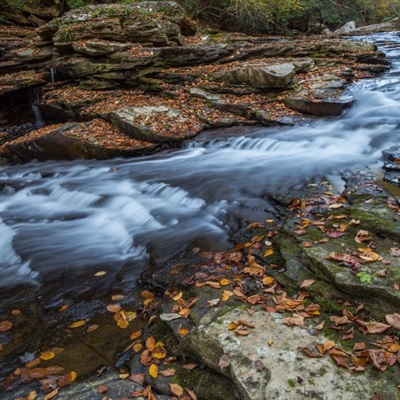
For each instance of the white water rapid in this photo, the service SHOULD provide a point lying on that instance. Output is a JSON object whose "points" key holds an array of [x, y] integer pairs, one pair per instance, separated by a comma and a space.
{"points": [[91, 215]]}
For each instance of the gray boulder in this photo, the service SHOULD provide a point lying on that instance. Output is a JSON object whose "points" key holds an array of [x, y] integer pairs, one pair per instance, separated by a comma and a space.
{"points": [[262, 76], [348, 27]]}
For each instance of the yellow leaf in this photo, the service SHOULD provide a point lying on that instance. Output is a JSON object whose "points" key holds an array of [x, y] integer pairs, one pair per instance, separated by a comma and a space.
{"points": [[225, 282], [100, 273], [226, 294], [122, 323], [73, 375], [153, 371], [178, 296], [130, 315], [233, 325], [268, 280], [268, 252], [137, 347], [77, 324], [47, 355]]}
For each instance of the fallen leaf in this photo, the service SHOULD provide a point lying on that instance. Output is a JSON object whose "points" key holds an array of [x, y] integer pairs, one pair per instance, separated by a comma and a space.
{"points": [[176, 389], [135, 335], [51, 395], [178, 296], [295, 320], [5, 326], [150, 343], [268, 252], [167, 372], [224, 361], [189, 366], [92, 328], [307, 245], [153, 371], [377, 327], [307, 283], [137, 378], [122, 323], [393, 320], [225, 282], [114, 308], [77, 324], [47, 355], [102, 389], [191, 394], [117, 297], [213, 302], [100, 273], [362, 236]]}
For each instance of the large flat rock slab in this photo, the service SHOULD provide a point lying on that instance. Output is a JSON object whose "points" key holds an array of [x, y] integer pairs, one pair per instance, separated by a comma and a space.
{"points": [[267, 364], [141, 123], [95, 139]]}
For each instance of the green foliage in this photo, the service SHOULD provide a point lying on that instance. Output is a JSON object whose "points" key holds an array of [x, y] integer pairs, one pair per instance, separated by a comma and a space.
{"points": [[364, 277], [75, 3]]}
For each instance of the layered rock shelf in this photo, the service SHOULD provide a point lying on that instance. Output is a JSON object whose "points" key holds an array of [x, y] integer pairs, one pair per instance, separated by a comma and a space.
{"points": [[143, 71]]}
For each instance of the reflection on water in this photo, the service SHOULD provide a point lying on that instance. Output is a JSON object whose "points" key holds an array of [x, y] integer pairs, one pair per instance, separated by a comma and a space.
{"points": [[59, 217]]}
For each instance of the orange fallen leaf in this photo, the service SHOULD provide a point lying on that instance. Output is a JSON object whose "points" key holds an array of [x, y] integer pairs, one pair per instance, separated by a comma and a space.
{"points": [[122, 323], [52, 394], [167, 372], [47, 355], [5, 326]]}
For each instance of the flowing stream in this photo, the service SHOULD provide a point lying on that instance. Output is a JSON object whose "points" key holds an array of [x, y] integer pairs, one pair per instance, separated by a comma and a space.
{"points": [[71, 219]]}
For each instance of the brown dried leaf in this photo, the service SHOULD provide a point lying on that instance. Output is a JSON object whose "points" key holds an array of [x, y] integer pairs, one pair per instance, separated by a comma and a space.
{"points": [[377, 327], [307, 283], [102, 389], [176, 389], [393, 320], [167, 372]]}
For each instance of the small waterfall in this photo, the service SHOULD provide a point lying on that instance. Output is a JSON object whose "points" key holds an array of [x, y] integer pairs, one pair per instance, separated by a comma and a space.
{"points": [[53, 74], [37, 113]]}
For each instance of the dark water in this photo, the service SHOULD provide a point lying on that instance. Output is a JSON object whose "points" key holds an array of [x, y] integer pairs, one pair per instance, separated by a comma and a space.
{"points": [[66, 220]]}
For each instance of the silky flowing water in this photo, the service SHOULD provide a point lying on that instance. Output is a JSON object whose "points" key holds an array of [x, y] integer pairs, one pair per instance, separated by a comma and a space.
{"points": [[61, 222]]}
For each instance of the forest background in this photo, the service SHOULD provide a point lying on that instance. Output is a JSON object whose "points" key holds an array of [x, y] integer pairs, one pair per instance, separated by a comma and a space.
{"points": [[286, 17]]}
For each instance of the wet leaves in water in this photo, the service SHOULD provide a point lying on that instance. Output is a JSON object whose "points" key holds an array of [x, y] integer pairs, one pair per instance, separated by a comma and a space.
{"points": [[5, 326], [47, 355], [77, 324]]}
